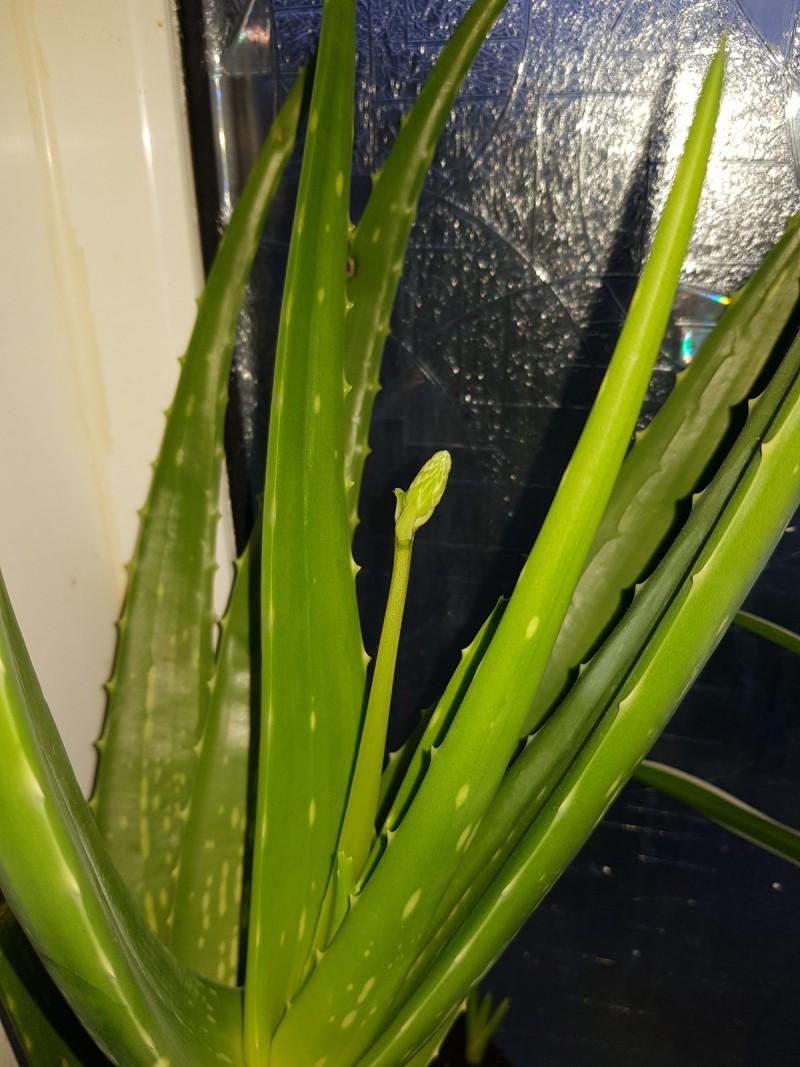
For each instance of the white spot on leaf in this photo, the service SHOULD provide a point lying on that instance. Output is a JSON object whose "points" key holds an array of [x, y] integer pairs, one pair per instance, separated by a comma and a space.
{"points": [[362, 996], [411, 903], [463, 838]]}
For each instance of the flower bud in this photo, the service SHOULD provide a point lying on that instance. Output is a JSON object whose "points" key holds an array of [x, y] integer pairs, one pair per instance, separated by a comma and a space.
{"points": [[416, 505]]}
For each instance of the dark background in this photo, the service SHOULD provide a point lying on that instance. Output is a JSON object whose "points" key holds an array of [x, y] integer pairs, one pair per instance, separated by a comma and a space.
{"points": [[667, 942]]}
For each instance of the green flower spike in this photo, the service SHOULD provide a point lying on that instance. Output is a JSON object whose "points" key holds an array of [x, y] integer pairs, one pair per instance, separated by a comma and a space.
{"points": [[416, 506]]}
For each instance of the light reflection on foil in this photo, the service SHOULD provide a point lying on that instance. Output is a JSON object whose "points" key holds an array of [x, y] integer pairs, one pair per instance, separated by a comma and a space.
{"points": [[695, 313], [242, 63], [243, 66]]}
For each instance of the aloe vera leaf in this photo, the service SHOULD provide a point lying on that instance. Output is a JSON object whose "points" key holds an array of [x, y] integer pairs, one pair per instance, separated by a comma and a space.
{"points": [[158, 693], [39, 1019], [406, 771], [722, 808], [207, 928], [670, 455], [398, 762], [129, 992], [428, 1053], [313, 662], [548, 753], [379, 242], [407, 766], [779, 635], [756, 516], [412, 874]]}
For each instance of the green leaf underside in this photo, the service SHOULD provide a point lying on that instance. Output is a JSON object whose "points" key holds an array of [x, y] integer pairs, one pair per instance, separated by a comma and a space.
{"points": [[534, 775], [670, 455], [42, 1023], [313, 663], [207, 930], [380, 238], [158, 694], [436, 726], [753, 521], [778, 635], [404, 774], [137, 1001], [348, 998], [428, 1052], [723, 808]]}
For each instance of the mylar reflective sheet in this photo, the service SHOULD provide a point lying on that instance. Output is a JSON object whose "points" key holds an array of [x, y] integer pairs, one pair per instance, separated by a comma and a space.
{"points": [[668, 943]]}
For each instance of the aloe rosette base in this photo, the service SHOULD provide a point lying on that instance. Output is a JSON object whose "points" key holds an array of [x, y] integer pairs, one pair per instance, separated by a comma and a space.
{"points": [[250, 884]]}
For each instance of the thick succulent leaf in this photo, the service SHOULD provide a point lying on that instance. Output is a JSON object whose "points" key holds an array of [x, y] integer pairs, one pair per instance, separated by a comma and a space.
{"points": [[723, 808], [756, 516], [129, 992], [313, 662], [380, 238], [428, 1053], [41, 1023], [412, 762], [406, 767], [206, 933], [779, 635], [669, 457], [548, 753], [158, 693], [343, 1000]]}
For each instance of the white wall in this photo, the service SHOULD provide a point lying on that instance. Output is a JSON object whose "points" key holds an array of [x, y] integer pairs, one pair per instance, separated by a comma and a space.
{"points": [[98, 276]]}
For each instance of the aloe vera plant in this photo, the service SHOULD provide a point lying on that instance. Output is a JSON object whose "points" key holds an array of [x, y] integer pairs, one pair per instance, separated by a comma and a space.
{"points": [[249, 884]]}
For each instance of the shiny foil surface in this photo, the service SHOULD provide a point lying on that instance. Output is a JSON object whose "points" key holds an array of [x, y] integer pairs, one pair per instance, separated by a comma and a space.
{"points": [[668, 943]]}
